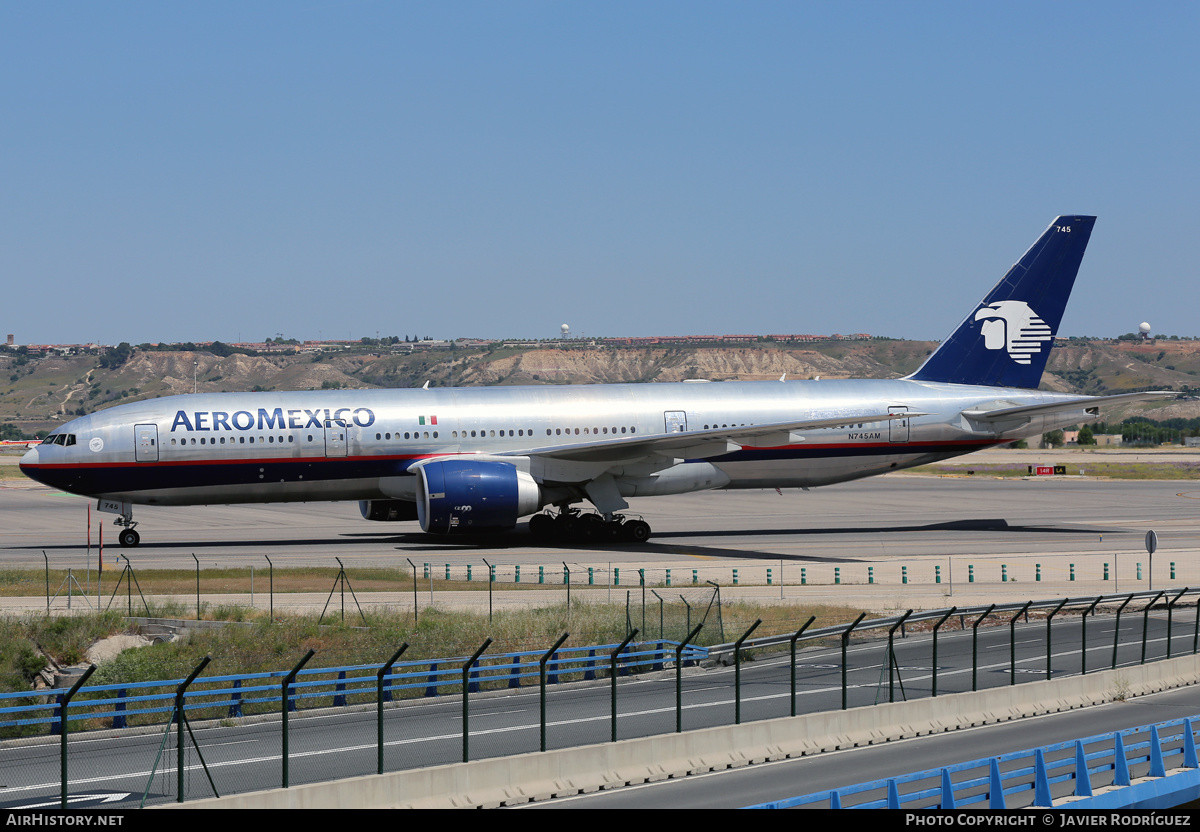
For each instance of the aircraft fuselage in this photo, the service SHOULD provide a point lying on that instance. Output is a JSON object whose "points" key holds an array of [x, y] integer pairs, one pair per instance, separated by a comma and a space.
{"points": [[360, 444]]}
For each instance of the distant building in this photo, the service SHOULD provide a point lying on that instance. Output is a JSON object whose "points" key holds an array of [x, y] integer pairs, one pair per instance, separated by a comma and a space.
{"points": [[701, 340]]}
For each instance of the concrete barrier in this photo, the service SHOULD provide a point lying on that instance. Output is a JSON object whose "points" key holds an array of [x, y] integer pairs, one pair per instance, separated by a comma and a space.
{"points": [[526, 777]]}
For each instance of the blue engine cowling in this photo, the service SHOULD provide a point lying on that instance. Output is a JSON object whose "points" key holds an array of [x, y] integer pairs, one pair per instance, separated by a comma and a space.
{"points": [[388, 511], [456, 496]]}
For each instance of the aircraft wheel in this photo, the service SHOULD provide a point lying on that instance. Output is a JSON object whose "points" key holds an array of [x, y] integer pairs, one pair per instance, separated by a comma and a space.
{"points": [[541, 525], [565, 525], [590, 526], [637, 530], [129, 538]]}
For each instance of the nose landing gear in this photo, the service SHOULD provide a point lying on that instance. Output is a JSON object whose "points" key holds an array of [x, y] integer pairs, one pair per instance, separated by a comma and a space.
{"points": [[128, 538]]}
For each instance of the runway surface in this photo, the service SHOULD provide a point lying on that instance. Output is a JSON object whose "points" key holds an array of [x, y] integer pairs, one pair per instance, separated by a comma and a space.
{"points": [[894, 541]]}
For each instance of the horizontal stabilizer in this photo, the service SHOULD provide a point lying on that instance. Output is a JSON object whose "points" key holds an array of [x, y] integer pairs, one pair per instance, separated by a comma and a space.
{"points": [[1092, 404]]}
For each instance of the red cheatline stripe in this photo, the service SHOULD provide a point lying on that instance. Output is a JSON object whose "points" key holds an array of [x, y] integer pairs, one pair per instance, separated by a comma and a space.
{"points": [[239, 461]]}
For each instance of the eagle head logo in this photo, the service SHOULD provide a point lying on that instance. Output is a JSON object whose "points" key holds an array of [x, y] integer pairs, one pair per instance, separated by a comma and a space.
{"points": [[1013, 326]]}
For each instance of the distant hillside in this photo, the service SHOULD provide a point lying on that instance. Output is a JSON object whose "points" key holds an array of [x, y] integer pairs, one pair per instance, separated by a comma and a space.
{"points": [[39, 393]]}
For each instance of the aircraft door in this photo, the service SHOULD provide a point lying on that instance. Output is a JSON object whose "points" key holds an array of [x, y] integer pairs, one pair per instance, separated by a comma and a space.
{"points": [[676, 421], [898, 430], [145, 443], [335, 438]]}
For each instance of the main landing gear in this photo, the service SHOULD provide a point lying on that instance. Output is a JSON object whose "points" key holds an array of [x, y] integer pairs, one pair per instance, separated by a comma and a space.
{"points": [[127, 537], [573, 525]]}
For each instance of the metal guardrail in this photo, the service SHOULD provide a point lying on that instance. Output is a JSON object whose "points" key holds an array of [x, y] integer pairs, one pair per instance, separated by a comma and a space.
{"points": [[1028, 779], [327, 686]]}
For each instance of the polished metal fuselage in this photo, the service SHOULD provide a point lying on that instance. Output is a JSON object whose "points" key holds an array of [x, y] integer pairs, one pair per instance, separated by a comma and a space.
{"points": [[273, 447]]}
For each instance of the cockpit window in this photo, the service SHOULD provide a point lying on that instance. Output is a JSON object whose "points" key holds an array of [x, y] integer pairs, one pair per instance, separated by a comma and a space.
{"points": [[59, 439]]}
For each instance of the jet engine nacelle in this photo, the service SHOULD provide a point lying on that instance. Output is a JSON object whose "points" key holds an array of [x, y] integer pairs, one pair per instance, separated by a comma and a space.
{"points": [[388, 511], [455, 496]]}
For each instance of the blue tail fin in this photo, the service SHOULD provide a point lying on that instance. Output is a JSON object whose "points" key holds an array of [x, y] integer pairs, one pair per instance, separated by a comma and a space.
{"points": [[1006, 341]]}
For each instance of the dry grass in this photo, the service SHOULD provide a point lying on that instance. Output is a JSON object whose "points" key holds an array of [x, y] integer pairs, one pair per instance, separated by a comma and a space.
{"points": [[32, 582], [256, 644]]}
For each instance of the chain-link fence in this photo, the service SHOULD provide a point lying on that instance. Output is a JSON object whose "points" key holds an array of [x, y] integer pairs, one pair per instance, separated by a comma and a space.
{"points": [[207, 729]]}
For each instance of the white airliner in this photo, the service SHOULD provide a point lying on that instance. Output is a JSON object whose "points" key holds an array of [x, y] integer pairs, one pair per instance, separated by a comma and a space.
{"points": [[471, 460]]}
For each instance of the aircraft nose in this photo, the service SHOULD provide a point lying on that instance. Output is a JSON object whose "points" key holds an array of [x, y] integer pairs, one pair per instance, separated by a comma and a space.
{"points": [[30, 459]]}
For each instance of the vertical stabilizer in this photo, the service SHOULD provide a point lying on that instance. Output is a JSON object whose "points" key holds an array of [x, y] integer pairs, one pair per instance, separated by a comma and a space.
{"points": [[1006, 340]]}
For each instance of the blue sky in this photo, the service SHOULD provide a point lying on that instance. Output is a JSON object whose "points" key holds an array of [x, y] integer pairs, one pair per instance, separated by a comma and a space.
{"points": [[237, 170]]}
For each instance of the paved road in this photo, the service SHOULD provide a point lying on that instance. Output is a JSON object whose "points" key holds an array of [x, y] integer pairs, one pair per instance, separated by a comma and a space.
{"points": [[751, 785]]}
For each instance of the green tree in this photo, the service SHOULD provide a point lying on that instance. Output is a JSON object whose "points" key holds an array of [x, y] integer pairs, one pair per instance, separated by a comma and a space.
{"points": [[1086, 437], [116, 356], [1054, 439], [10, 431]]}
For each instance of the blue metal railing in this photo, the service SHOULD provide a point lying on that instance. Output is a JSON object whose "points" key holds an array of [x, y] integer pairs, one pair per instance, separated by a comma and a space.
{"points": [[993, 782], [326, 686]]}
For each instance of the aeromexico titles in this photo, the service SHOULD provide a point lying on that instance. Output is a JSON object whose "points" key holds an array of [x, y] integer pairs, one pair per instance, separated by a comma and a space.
{"points": [[478, 460]]}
